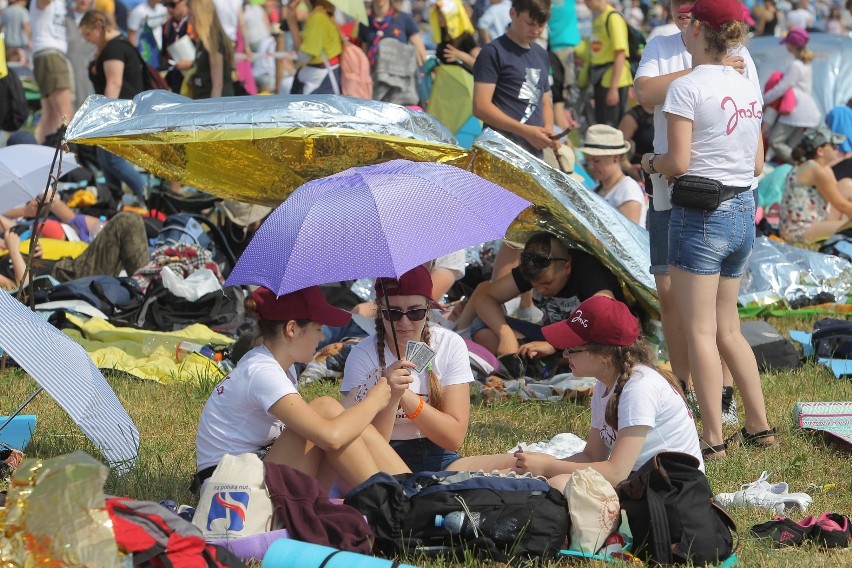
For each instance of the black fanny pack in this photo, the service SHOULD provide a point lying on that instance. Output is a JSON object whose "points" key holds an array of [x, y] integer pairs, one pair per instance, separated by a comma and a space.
{"points": [[698, 192]]}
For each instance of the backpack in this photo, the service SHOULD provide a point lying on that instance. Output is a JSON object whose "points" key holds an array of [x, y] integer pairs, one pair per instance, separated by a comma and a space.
{"points": [[106, 293], [501, 517], [151, 78], [15, 102], [839, 244], [154, 537], [771, 349], [355, 79], [672, 516], [832, 338], [183, 228], [395, 73], [635, 42]]}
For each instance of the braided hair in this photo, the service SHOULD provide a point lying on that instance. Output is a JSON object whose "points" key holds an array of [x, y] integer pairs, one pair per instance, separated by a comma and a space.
{"points": [[625, 359], [436, 394]]}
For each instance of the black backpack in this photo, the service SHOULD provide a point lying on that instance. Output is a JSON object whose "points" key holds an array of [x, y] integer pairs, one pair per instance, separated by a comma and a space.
{"points": [[106, 293], [672, 515], [635, 42], [839, 244], [14, 111], [504, 518], [832, 338]]}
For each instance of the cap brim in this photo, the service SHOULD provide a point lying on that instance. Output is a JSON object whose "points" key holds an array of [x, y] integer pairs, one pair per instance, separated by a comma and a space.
{"points": [[331, 316], [838, 139], [561, 336]]}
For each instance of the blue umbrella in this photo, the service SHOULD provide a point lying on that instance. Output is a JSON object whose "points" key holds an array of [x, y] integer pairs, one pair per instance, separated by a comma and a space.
{"points": [[372, 221]]}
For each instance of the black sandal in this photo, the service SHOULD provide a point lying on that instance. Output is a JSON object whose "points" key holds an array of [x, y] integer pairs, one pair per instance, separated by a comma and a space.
{"points": [[714, 451], [753, 440]]}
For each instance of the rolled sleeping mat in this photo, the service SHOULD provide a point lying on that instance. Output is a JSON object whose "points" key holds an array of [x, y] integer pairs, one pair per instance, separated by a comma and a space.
{"points": [[287, 552]]}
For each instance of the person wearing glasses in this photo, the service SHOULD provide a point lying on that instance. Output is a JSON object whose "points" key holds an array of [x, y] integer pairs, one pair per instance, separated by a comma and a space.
{"points": [[637, 411], [560, 279], [258, 409], [426, 419]]}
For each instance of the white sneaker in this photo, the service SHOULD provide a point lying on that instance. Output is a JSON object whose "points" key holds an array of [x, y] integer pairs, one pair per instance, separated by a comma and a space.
{"points": [[761, 493], [729, 414]]}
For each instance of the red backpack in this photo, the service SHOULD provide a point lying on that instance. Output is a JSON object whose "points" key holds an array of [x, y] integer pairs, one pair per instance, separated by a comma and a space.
{"points": [[158, 538], [355, 72]]}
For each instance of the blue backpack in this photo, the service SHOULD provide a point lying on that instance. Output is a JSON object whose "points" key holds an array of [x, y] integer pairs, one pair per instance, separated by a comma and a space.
{"points": [[106, 293]]}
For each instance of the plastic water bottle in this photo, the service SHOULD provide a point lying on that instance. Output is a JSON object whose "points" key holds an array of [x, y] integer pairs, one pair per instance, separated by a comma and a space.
{"points": [[458, 522], [658, 339]]}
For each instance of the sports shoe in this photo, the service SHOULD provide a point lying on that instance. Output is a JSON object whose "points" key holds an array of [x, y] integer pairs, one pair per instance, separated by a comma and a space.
{"points": [[832, 531], [784, 531], [692, 402], [761, 493], [729, 407]]}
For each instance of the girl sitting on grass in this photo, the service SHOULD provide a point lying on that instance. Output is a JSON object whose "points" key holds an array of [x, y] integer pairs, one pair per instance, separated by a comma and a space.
{"points": [[257, 407], [636, 411]]}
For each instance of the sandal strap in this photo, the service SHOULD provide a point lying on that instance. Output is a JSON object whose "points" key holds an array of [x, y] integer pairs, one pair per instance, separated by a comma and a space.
{"points": [[751, 438], [710, 450]]}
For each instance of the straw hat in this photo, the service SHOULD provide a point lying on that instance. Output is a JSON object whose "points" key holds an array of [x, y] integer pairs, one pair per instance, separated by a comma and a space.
{"points": [[563, 159], [604, 140], [244, 214]]}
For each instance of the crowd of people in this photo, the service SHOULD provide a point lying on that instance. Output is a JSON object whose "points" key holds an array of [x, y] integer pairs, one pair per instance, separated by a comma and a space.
{"points": [[687, 112]]}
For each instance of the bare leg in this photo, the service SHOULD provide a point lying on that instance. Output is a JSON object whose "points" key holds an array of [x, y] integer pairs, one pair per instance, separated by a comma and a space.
{"points": [[835, 218], [695, 295], [484, 463], [740, 357], [54, 108], [508, 257], [673, 329]]}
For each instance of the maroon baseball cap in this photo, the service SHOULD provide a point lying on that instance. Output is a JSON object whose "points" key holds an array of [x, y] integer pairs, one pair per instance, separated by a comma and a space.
{"points": [[797, 37], [600, 320], [305, 304], [714, 13], [415, 282]]}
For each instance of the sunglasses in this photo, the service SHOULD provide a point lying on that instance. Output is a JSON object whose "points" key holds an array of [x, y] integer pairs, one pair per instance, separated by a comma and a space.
{"points": [[172, 4], [395, 314], [538, 260]]}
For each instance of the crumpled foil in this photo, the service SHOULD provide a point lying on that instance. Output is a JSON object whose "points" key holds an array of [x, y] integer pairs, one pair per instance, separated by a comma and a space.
{"points": [[257, 149], [55, 515], [781, 273]]}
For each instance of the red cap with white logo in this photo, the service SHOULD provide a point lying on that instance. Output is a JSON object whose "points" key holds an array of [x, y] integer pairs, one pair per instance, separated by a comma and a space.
{"points": [[600, 320]]}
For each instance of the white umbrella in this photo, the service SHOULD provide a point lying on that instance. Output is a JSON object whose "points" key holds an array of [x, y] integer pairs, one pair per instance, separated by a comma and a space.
{"points": [[23, 172], [68, 375]]}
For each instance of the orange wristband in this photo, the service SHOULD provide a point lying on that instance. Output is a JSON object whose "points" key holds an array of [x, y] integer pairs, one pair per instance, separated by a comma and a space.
{"points": [[417, 412]]}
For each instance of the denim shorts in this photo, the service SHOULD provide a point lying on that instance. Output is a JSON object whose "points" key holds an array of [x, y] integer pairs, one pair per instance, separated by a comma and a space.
{"points": [[713, 242], [658, 237], [422, 454]]}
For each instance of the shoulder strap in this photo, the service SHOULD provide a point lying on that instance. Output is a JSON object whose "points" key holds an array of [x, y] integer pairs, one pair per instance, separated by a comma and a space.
{"points": [[659, 528]]}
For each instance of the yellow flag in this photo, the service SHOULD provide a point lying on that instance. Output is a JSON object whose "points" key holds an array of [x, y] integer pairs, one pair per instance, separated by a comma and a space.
{"points": [[4, 69], [456, 17]]}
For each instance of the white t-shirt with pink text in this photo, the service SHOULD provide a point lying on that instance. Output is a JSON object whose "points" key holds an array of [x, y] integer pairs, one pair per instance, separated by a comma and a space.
{"points": [[726, 111]]}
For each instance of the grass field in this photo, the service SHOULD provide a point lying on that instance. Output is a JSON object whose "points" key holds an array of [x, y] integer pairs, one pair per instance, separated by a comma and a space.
{"points": [[167, 417]]}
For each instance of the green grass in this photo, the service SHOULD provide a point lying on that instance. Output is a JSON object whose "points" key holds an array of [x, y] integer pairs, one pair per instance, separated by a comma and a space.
{"points": [[167, 417]]}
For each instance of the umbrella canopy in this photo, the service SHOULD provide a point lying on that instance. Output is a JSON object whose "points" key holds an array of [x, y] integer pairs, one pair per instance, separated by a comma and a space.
{"points": [[452, 100], [379, 220], [24, 169], [68, 375], [354, 9], [257, 149]]}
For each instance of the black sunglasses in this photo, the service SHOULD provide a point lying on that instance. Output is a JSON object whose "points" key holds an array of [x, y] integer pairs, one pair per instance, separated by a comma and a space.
{"points": [[395, 314], [538, 260], [172, 4]]}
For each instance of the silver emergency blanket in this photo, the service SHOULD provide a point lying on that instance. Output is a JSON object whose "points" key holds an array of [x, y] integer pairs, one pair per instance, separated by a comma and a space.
{"points": [[781, 273]]}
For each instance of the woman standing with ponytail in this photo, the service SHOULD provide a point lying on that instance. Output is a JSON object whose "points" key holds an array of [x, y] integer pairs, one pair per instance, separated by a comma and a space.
{"points": [[214, 57], [637, 412], [427, 417]]}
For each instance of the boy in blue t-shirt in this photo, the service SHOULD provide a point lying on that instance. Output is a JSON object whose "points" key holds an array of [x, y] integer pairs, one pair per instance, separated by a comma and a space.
{"points": [[511, 91]]}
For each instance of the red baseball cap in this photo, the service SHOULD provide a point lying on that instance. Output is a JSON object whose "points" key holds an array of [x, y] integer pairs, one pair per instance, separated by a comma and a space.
{"points": [[307, 303], [714, 13], [796, 37], [415, 282], [600, 320]]}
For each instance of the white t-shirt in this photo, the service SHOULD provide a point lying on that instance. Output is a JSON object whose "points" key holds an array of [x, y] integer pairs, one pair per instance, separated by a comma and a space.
{"points": [[451, 365], [627, 190], [798, 76], [799, 18], [648, 400], [455, 262], [47, 26], [662, 56], [236, 418], [155, 16], [228, 12], [664, 30], [726, 111]]}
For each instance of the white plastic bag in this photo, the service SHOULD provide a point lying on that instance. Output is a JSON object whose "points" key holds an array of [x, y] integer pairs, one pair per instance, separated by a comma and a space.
{"points": [[594, 509], [200, 282], [234, 501]]}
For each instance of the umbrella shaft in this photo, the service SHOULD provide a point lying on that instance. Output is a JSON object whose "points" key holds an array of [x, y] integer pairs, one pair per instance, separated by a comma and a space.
{"points": [[21, 408]]}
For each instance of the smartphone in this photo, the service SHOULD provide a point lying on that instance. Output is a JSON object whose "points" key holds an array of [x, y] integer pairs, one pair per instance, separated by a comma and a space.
{"points": [[559, 135]]}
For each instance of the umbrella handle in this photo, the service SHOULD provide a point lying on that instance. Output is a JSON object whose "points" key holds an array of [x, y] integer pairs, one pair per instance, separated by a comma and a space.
{"points": [[393, 329]]}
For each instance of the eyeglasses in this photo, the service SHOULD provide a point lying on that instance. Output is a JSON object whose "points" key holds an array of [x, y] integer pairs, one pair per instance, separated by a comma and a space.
{"points": [[574, 351], [538, 260], [172, 4], [395, 314]]}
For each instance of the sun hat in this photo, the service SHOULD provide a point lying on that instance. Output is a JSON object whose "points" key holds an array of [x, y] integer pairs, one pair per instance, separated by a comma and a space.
{"points": [[797, 37], [415, 282], [820, 135], [244, 214], [714, 13], [563, 159], [604, 140], [307, 303], [600, 320]]}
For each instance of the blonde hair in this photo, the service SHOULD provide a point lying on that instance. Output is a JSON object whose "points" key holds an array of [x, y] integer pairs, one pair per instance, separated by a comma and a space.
{"points": [[720, 41], [436, 394], [94, 17], [209, 30], [804, 54]]}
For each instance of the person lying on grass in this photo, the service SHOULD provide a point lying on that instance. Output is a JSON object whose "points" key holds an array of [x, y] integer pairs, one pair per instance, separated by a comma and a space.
{"points": [[257, 407], [636, 411]]}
